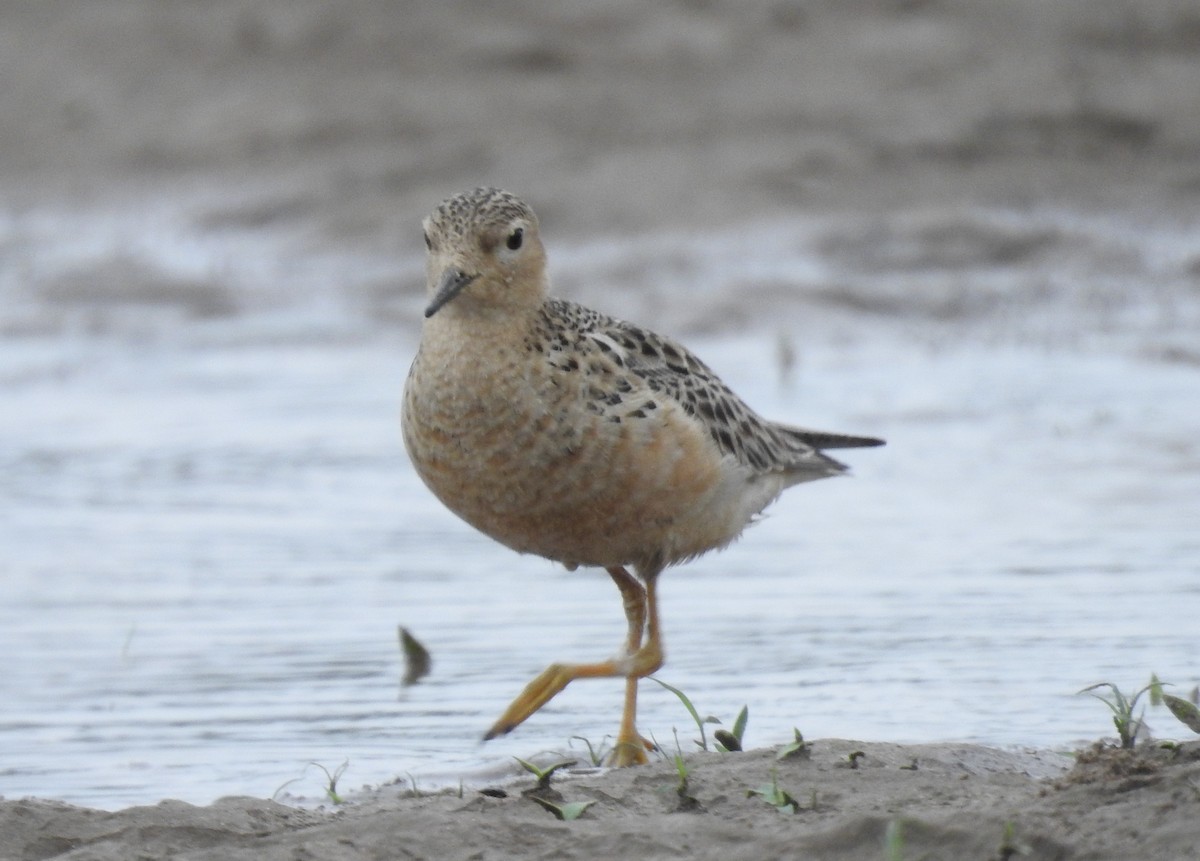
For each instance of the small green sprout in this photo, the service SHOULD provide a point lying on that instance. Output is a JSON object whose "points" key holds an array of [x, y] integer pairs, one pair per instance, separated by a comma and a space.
{"points": [[567, 811], [1128, 726], [549, 798], [687, 802], [687, 704], [1185, 710], [682, 770], [1155, 690], [725, 740], [543, 774], [596, 753], [778, 798], [854, 756], [798, 748], [331, 780]]}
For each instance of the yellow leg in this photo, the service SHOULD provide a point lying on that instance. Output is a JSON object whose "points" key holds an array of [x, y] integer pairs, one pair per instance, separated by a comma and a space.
{"points": [[630, 747], [639, 661], [633, 596]]}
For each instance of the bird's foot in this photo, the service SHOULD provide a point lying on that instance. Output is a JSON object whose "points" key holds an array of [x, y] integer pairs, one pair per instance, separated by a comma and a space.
{"points": [[555, 677], [536, 694]]}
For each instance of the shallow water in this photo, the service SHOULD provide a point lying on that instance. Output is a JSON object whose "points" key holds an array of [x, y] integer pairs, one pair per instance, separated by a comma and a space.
{"points": [[211, 531]]}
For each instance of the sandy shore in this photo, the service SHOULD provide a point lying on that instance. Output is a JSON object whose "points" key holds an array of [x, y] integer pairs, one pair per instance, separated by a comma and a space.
{"points": [[852, 801], [344, 124]]}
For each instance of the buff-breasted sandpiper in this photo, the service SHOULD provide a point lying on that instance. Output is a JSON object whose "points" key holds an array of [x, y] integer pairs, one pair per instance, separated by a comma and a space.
{"points": [[559, 431]]}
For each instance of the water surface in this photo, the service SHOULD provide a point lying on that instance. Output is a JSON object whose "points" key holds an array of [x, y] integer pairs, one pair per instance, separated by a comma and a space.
{"points": [[211, 531]]}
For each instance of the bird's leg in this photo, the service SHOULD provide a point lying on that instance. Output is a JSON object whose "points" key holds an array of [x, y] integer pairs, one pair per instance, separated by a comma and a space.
{"points": [[637, 661], [557, 676], [630, 748], [634, 597]]}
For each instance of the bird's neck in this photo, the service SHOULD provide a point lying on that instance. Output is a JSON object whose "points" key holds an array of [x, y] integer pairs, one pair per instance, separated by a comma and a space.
{"points": [[471, 335]]}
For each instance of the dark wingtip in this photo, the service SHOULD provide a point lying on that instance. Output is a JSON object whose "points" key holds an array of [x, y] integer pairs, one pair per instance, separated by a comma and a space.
{"points": [[821, 440]]}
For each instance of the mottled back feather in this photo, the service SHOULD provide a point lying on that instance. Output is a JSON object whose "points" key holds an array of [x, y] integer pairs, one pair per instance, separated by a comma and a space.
{"points": [[670, 369]]}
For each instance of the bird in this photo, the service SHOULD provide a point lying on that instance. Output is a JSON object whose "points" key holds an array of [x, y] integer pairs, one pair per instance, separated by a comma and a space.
{"points": [[566, 433]]}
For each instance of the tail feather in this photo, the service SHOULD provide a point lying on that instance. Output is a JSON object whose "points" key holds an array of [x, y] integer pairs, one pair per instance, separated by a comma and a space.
{"points": [[821, 440]]}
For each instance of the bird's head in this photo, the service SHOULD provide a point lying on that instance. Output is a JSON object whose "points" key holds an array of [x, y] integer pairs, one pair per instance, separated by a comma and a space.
{"points": [[484, 255]]}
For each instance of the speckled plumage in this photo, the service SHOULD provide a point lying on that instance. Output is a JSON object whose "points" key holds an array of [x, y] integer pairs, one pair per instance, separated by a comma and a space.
{"points": [[563, 432]]}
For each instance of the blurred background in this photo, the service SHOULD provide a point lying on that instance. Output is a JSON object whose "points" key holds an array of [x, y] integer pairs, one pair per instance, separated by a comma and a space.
{"points": [[969, 227]]}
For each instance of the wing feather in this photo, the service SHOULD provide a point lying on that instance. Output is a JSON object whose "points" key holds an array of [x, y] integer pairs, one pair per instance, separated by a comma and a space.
{"points": [[671, 370]]}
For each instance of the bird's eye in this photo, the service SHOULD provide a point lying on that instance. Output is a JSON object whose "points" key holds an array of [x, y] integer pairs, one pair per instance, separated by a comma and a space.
{"points": [[428, 244], [514, 239]]}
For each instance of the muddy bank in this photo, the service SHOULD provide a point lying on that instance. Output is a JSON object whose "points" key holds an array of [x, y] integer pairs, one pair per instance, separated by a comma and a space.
{"points": [[844, 800]]}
